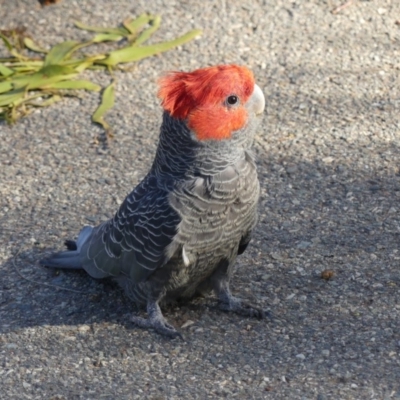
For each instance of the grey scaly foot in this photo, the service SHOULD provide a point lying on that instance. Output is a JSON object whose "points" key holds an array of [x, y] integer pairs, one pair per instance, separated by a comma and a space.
{"points": [[156, 321], [228, 302], [234, 304]]}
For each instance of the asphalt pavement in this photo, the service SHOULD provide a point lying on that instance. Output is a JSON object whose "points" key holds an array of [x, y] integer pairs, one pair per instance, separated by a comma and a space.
{"points": [[325, 257]]}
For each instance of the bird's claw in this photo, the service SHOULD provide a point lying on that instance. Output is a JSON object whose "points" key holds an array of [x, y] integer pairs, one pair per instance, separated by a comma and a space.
{"points": [[242, 308], [160, 326]]}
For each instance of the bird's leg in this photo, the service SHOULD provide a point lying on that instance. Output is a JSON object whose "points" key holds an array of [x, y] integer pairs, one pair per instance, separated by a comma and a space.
{"points": [[156, 321], [227, 302]]}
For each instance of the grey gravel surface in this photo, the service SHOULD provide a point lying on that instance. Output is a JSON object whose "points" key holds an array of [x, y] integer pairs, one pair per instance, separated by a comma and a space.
{"points": [[328, 163]]}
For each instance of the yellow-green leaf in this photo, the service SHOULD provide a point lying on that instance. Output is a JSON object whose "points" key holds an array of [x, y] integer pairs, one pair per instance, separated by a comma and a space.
{"points": [[24, 70], [107, 37], [9, 98], [133, 53], [7, 59], [23, 80], [37, 80], [155, 24], [107, 102], [61, 51], [6, 42], [46, 75], [44, 81], [27, 98], [26, 64], [79, 65], [17, 55], [5, 86], [5, 71], [99, 29], [78, 84], [51, 100], [31, 45], [53, 70], [134, 25]]}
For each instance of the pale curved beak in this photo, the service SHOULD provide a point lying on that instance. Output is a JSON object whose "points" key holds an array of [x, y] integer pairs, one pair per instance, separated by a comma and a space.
{"points": [[256, 102]]}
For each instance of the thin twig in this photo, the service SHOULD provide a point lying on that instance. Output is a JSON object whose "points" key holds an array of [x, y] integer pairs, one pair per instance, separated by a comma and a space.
{"points": [[342, 7]]}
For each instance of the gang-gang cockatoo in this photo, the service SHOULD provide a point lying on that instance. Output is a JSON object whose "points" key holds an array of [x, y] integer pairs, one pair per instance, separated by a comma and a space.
{"points": [[178, 233]]}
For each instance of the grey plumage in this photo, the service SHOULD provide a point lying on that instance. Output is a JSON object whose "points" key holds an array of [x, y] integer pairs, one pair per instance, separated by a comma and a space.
{"points": [[179, 231]]}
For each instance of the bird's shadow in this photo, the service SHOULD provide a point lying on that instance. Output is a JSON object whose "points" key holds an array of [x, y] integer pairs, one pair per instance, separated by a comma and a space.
{"points": [[33, 295]]}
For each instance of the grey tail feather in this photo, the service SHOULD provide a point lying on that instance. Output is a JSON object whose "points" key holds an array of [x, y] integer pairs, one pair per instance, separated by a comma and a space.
{"points": [[64, 259], [69, 259]]}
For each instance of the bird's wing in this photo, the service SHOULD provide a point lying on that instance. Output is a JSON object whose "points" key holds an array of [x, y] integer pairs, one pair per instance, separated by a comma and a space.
{"points": [[133, 243]]}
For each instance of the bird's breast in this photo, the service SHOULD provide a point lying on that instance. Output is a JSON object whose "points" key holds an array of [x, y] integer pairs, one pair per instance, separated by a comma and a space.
{"points": [[216, 210]]}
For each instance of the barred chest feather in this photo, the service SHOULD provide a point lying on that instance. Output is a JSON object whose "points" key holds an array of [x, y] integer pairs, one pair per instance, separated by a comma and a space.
{"points": [[216, 213]]}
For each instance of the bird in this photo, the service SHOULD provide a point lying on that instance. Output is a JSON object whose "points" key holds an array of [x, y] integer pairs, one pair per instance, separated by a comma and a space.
{"points": [[178, 233]]}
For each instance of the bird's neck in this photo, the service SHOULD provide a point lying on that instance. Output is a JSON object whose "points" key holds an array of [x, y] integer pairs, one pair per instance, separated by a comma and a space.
{"points": [[180, 154]]}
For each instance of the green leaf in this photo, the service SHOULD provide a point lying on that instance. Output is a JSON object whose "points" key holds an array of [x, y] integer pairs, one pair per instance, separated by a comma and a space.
{"points": [[145, 35], [24, 70], [23, 80], [9, 98], [99, 29], [6, 42], [78, 84], [37, 80], [21, 108], [41, 82], [7, 59], [51, 100], [79, 65], [107, 102], [53, 70], [27, 98], [27, 63], [133, 53], [107, 37], [46, 75], [5, 71], [17, 55], [61, 51], [5, 86], [133, 26], [31, 45]]}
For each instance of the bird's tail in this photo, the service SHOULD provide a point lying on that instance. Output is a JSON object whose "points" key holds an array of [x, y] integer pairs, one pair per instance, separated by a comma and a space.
{"points": [[69, 259]]}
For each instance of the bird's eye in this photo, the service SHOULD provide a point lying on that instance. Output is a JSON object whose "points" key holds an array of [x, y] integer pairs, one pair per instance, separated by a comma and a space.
{"points": [[232, 100]]}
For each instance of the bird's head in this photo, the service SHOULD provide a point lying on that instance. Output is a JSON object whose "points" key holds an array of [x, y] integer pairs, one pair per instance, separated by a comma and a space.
{"points": [[214, 102]]}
